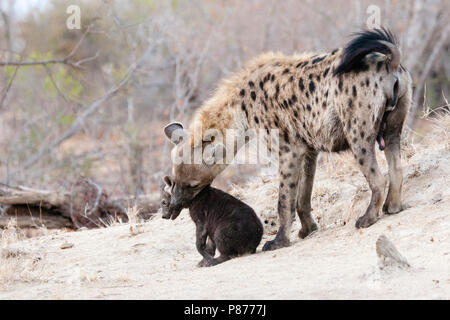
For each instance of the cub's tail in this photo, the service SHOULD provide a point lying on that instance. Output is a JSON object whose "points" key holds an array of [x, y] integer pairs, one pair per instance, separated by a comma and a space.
{"points": [[365, 42]]}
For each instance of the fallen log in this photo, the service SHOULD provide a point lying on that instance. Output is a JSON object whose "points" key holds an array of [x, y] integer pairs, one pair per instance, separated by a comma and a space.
{"points": [[23, 195], [84, 205], [29, 216]]}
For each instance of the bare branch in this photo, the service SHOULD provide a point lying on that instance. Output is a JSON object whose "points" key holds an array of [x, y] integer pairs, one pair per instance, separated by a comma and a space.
{"points": [[66, 60], [83, 36], [77, 125], [5, 93], [97, 198], [66, 99], [84, 60]]}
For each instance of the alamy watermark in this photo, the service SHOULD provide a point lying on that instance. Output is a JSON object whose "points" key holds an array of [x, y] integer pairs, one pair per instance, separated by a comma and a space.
{"points": [[256, 146], [374, 19], [74, 19]]}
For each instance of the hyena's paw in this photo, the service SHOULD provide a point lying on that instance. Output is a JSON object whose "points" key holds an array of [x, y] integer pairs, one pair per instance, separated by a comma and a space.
{"points": [[390, 208], [365, 221], [307, 230], [275, 244]]}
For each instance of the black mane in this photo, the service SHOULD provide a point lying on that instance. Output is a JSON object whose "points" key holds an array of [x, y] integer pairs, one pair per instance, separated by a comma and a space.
{"points": [[363, 43]]}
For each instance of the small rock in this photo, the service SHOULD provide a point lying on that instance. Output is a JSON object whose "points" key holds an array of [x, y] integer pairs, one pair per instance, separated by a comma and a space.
{"points": [[388, 255], [66, 245]]}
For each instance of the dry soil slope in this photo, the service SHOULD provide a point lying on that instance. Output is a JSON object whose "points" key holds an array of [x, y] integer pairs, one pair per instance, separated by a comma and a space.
{"points": [[157, 260]]}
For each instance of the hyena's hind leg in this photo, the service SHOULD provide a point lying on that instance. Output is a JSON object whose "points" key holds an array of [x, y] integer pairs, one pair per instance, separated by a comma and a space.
{"points": [[307, 172], [369, 167], [392, 136], [363, 147]]}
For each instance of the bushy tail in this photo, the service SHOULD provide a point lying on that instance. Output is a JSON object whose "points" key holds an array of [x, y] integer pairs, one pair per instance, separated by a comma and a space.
{"points": [[365, 42]]}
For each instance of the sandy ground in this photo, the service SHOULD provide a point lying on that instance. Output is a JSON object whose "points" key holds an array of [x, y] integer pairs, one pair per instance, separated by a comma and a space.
{"points": [[157, 259]]}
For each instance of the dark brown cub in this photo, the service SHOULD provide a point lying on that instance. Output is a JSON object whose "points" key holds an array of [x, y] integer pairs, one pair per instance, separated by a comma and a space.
{"points": [[227, 223]]}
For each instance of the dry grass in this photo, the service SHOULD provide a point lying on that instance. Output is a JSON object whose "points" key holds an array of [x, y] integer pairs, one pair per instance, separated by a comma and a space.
{"points": [[133, 214], [16, 264], [134, 222], [439, 119]]}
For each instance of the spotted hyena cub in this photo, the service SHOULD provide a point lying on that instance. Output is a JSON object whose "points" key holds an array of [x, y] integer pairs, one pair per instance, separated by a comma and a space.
{"points": [[230, 225]]}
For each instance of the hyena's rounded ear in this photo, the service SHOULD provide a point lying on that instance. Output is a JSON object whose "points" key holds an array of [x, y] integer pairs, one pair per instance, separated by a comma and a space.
{"points": [[174, 131]]}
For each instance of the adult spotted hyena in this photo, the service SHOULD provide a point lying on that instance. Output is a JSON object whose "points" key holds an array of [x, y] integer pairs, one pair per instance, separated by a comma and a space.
{"points": [[348, 98]]}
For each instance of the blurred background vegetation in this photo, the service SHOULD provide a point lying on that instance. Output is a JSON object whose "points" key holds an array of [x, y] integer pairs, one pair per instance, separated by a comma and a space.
{"points": [[135, 65]]}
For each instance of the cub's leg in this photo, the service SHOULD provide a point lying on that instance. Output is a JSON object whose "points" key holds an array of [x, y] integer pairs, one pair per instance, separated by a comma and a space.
{"points": [[201, 236], [392, 136], [210, 247], [307, 164], [227, 240], [287, 196], [220, 259], [213, 262]]}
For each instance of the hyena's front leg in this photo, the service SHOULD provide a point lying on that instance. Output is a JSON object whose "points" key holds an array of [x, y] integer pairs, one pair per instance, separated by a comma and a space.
{"points": [[392, 136], [308, 168], [287, 197]]}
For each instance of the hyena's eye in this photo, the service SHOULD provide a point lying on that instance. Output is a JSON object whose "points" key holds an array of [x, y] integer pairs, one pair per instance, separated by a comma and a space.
{"points": [[194, 184], [164, 203]]}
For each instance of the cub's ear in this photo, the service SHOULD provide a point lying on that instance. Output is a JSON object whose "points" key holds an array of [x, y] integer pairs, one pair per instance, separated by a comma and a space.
{"points": [[174, 131], [168, 181], [168, 184]]}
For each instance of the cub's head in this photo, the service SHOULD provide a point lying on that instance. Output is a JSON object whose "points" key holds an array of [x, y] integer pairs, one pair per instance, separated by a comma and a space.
{"points": [[165, 196], [194, 165]]}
